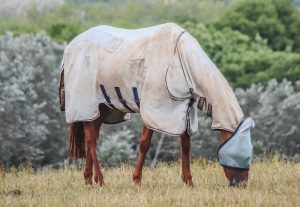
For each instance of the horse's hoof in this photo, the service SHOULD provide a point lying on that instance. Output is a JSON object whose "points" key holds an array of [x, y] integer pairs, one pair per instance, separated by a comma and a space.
{"points": [[88, 181], [137, 181], [88, 177], [99, 180], [101, 183], [188, 181]]}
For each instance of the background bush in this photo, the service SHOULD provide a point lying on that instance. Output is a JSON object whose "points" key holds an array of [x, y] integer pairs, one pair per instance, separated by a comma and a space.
{"points": [[254, 43], [32, 129]]}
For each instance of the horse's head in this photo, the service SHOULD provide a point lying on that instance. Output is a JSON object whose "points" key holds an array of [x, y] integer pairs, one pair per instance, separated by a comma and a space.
{"points": [[236, 178], [235, 153]]}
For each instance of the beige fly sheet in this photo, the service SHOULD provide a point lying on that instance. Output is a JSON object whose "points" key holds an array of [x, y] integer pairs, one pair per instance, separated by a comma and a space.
{"points": [[160, 72]]}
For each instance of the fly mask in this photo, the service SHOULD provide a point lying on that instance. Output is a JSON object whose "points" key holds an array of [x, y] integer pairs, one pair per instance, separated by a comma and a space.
{"points": [[236, 152]]}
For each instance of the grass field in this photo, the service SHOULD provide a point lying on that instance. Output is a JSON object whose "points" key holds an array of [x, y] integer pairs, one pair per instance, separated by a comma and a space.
{"points": [[272, 183]]}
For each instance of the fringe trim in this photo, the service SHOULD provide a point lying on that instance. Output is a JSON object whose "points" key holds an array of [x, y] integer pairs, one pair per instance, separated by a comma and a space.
{"points": [[204, 106], [62, 91]]}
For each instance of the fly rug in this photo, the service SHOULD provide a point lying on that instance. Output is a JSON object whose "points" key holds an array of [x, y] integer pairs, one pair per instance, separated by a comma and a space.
{"points": [[160, 72]]}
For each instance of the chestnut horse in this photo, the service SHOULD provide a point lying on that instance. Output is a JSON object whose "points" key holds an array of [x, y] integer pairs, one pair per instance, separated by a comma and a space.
{"points": [[124, 59]]}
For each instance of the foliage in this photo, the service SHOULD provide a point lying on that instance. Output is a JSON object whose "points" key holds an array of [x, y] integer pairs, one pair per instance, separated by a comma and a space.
{"points": [[74, 16], [242, 60], [31, 123], [10, 8], [252, 43], [117, 147], [237, 40], [275, 109], [63, 31], [277, 21], [28, 102]]}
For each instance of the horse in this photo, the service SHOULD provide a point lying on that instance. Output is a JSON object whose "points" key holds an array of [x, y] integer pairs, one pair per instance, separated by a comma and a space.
{"points": [[160, 72]]}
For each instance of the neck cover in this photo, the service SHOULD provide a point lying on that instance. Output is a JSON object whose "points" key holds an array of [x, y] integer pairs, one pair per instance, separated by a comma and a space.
{"points": [[236, 152]]}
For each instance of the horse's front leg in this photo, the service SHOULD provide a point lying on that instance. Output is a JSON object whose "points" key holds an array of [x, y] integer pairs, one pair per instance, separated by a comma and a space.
{"points": [[185, 141], [91, 133], [145, 141]]}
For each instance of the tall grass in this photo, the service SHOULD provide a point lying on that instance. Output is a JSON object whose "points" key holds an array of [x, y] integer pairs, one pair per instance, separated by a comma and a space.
{"points": [[272, 183]]}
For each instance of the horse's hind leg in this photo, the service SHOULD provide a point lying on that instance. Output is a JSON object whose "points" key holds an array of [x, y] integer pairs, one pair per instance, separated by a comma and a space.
{"points": [[91, 133], [88, 172], [145, 141], [185, 142]]}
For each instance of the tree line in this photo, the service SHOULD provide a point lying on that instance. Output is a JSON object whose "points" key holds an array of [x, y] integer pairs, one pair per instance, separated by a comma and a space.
{"points": [[255, 44]]}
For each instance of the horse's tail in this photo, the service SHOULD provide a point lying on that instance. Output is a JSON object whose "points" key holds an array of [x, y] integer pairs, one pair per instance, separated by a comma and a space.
{"points": [[76, 140]]}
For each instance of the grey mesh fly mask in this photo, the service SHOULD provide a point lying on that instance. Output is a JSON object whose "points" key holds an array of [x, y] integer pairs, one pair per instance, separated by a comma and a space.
{"points": [[236, 152]]}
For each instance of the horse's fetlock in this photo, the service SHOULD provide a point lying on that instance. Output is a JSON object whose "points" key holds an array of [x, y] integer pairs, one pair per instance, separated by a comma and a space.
{"points": [[87, 174], [136, 177], [88, 177], [99, 179], [185, 178], [188, 180]]}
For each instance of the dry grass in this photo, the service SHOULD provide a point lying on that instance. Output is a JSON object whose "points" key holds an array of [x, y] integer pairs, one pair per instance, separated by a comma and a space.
{"points": [[272, 183]]}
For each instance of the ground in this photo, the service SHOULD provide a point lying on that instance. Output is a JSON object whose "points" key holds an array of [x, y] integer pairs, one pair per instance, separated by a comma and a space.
{"points": [[272, 183]]}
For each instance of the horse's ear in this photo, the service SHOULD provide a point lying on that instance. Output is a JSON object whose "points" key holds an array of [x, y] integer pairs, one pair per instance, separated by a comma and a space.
{"points": [[76, 140]]}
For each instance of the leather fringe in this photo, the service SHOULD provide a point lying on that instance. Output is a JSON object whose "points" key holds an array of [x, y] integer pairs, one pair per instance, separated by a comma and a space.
{"points": [[62, 92]]}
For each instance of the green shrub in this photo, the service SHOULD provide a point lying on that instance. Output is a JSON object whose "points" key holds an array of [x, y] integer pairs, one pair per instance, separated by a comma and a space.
{"points": [[244, 61], [277, 21], [61, 32]]}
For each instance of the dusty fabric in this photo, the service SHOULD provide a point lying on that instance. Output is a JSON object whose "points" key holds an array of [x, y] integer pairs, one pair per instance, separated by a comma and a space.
{"points": [[236, 152], [214, 95], [160, 72]]}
